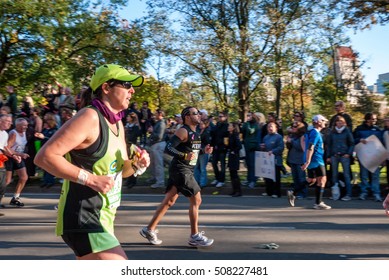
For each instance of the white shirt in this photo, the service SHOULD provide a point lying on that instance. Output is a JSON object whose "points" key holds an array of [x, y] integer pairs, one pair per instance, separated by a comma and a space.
{"points": [[3, 139], [20, 141]]}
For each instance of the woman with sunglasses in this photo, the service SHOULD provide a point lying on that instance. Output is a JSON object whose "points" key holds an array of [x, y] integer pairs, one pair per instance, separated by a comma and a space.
{"points": [[295, 159], [89, 152], [298, 116]]}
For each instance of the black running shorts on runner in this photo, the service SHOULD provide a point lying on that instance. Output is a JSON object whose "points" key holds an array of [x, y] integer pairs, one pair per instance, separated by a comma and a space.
{"points": [[184, 182], [319, 171], [84, 243], [78, 242], [11, 165]]}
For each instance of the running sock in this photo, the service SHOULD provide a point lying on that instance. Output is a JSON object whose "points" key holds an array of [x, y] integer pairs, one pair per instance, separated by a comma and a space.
{"points": [[319, 193], [16, 195]]}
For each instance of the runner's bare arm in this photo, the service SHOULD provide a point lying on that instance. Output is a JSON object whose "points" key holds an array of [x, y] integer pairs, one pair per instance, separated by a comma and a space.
{"points": [[77, 133]]}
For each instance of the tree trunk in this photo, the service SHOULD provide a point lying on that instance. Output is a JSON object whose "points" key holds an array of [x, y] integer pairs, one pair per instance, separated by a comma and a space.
{"points": [[278, 96], [244, 106], [301, 90]]}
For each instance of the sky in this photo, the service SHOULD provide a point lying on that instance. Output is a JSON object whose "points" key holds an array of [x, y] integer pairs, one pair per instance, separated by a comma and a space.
{"points": [[371, 44], [373, 48]]}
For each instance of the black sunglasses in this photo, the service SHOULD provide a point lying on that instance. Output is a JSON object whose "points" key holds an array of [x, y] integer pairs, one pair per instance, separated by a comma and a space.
{"points": [[124, 84]]}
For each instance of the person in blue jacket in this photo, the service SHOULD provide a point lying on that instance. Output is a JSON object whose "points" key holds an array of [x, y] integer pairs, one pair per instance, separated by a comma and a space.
{"points": [[273, 143]]}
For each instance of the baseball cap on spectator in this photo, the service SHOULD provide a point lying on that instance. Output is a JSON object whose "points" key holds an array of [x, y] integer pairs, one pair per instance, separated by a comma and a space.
{"points": [[319, 118], [108, 72], [177, 115], [203, 111]]}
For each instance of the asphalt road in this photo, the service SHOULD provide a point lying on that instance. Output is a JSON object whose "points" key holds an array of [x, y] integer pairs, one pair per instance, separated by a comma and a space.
{"points": [[240, 226]]}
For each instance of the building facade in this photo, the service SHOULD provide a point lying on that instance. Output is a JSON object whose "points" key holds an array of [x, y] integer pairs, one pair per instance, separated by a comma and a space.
{"points": [[348, 74]]}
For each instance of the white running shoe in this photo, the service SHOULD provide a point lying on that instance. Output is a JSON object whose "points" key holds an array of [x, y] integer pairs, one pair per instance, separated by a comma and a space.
{"points": [[321, 206], [150, 235], [200, 240], [291, 198]]}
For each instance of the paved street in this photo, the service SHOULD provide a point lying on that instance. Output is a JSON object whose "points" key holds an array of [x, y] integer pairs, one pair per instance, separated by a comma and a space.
{"points": [[351, 230]]}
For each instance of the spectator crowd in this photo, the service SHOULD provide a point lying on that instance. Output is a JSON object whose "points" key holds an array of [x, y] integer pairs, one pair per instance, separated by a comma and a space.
{"points": [[25, 127]]}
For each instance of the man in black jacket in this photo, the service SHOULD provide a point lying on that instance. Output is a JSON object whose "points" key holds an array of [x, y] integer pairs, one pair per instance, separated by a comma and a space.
{"points": [[340, 109], [157, 147], [219, 136]]}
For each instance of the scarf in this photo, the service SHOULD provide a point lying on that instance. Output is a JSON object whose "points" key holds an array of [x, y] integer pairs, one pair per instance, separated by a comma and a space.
{"points": [[107, 113], [340, 130]]}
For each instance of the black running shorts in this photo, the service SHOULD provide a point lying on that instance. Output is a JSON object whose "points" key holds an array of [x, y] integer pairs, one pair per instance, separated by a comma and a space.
{"points": [[85, 243], [184, 182], [11, 165], [319, 171]]}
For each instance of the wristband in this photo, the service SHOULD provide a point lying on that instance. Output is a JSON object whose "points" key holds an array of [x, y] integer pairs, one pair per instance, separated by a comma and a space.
{"points": [[82, 177], [134, 167]]}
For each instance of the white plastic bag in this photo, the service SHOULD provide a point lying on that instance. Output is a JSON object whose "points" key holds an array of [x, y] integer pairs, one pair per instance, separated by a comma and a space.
{"points": [[242, 153], [335, 191]]}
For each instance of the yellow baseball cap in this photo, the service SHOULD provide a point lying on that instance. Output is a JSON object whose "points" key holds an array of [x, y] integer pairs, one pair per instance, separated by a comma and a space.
{"points": [[108, 72]]}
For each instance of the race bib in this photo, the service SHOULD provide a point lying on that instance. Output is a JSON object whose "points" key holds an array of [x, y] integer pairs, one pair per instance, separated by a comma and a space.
{"points": [[115, 194], [194, 161]]}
